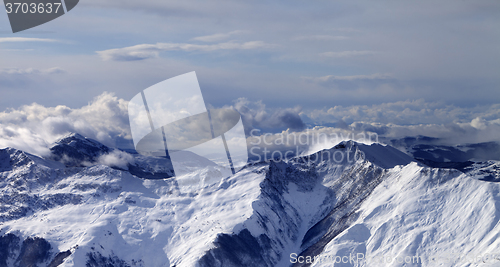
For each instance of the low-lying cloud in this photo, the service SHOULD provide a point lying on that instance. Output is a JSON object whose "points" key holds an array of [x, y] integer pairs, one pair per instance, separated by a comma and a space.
{"points": [[408, 112], [255, 115], [33, 128], [116, 158]]}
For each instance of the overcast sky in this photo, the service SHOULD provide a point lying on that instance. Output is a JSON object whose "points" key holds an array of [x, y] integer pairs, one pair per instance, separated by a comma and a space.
{"points": [[399, 62]]}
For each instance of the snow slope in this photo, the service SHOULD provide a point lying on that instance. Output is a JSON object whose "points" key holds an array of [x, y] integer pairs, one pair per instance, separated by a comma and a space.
{"points": [[369, 199], [103, 212], [444, 217]]}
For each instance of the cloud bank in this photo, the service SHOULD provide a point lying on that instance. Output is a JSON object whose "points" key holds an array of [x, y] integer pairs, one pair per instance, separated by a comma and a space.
{"points": [[33, 128], [255, 115]]}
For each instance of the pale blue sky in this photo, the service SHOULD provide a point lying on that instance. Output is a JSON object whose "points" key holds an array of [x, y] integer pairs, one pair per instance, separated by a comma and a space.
{"points": [[399, 67], [314, 54]]}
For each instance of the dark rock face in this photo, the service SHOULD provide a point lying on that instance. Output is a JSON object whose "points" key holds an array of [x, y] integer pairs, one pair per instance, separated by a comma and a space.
{"points": [[241, 249], [281, 220], [59, 258], [361, 180], [142, 173], [461, 166], [244, 249], [9, 246], [33, 252], [5, 164], [95, 259], [75, 150], [11, 158]]}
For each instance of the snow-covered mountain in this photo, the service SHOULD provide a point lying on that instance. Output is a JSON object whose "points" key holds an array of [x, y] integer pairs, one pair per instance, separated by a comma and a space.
{"points": [[352, 199], [74, 150], [433, 149]]}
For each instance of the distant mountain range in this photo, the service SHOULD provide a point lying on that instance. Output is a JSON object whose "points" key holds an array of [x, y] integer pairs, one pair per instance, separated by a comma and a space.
{"points": [[90, 205], [430, 148]]}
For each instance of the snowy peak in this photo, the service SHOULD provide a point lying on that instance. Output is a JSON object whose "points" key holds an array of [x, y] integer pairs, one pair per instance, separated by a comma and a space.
{"points": [[261, 216], [11, 158], [348, 152], [76, 150], [383, 155], [78, 141]]}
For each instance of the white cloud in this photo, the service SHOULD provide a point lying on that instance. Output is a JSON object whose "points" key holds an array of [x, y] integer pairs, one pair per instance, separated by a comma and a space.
{"points": [[144, 51], [345, 54], [328, 78], [216, 37], [408, 112], [25, 39], [322, 137], [416, 117], [304, 142], [33, 127], [449, 133], [23, 71], [321, 37], [479, 123], [116, 158], [394, 120]]}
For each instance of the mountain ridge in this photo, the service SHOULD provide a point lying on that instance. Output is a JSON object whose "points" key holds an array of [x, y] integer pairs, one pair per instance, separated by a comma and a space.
{"points": [[98, 215]]}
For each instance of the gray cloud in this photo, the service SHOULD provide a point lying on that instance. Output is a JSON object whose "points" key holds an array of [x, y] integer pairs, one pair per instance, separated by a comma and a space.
{"points": [[256, 115]]}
